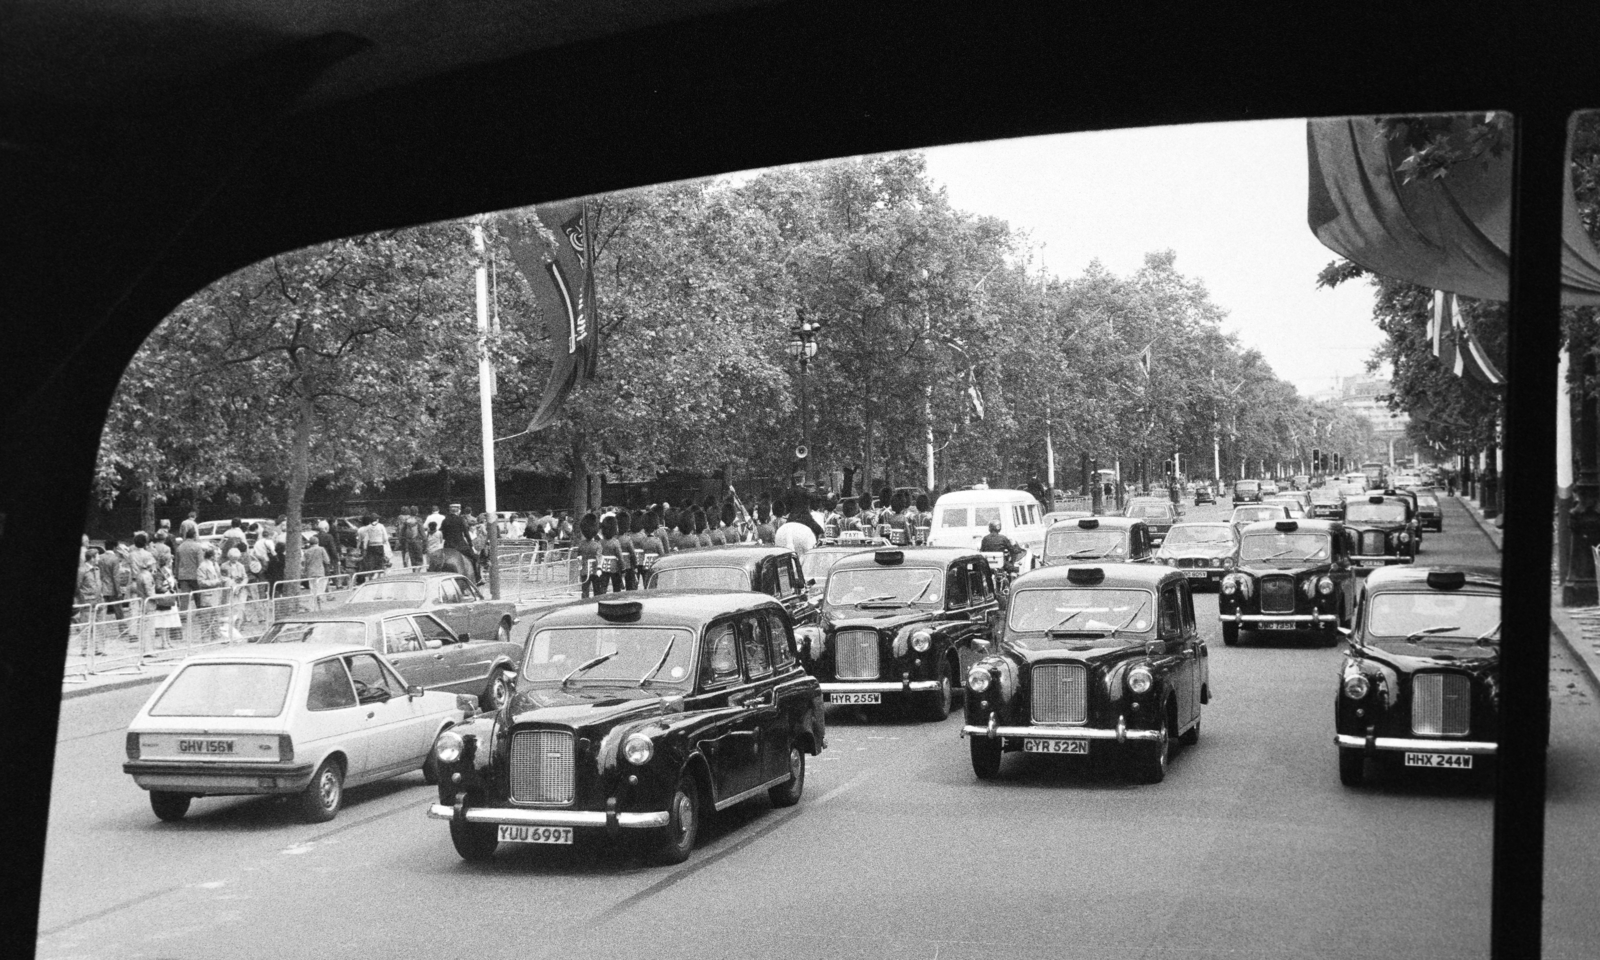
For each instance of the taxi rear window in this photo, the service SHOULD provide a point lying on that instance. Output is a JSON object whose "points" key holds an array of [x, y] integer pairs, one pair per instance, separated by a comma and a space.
{"points": [[226, 690]]}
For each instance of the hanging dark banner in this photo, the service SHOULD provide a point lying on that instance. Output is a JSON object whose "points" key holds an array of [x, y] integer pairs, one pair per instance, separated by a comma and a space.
{"points": [[553, 254]]}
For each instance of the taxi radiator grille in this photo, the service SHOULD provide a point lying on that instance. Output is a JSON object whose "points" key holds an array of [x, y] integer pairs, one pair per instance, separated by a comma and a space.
{"points": [[1277, 595], [856, 655], [1373, 543], [1060, 693], [1441, 704], [542, 767]]}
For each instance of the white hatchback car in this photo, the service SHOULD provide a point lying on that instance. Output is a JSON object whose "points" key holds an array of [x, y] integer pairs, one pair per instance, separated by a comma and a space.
{"points": [[306, 720]]}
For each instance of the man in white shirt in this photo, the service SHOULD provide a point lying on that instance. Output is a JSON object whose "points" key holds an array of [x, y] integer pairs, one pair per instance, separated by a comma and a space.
{"points": [[796, 536], [435, 518]]}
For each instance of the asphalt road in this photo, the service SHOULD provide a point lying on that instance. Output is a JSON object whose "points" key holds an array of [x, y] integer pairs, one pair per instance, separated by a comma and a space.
{"points": [[1250, 848]]}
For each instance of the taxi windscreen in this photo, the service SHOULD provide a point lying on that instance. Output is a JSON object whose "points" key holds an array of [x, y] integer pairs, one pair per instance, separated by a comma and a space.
{"points": [[1183, 535], [1445, 616], [632, 654], [1389, 511], [700, 578], [1086, 609], [885, 586], [226, 690], [1283, 545], [1073, 541]]}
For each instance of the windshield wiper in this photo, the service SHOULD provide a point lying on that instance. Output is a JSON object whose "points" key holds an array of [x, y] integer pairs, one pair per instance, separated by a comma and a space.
{"points": [[659, 663], [588, 666], [1131, 618], [862, 603], [1485, 635], [1430, 631], [1086, 551]]}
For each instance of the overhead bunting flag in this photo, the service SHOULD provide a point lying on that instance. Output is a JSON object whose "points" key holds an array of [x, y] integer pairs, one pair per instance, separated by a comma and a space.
{"points": [[1454, 343], [1145, 358], [551, 249]]}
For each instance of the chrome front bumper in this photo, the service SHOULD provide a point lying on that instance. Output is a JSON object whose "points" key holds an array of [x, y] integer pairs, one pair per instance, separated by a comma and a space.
{"points": [[1313, 619], [1120, 733], [1477, 748], [1361, 559], [875, 686], [549, 818]]}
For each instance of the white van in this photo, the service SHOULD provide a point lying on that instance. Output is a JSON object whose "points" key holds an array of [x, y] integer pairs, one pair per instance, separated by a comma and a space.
{"points": [[961, 518]]}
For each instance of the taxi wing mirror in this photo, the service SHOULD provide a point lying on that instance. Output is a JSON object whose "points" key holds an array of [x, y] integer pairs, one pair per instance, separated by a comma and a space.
{"points": [[462, 638], [414, 691]]}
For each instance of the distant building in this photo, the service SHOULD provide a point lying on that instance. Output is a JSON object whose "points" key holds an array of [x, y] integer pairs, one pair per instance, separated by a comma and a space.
{"points": [[1368, 396]]}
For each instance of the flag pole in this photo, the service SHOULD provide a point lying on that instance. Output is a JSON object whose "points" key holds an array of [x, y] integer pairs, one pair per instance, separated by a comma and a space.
{"points": [[486, 407]]}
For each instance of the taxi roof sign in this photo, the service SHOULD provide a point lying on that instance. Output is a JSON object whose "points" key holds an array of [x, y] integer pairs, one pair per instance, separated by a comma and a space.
{"points": [[1288, 526], [889, 558], [1088, 523], [1447, 579], [620, 609], [1085, 574]]}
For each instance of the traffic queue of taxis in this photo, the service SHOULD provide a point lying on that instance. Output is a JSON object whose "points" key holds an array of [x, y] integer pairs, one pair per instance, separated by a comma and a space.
{"points": [[642, 716]]}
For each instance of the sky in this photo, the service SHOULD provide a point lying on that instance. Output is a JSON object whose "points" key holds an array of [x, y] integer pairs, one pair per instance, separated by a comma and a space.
{"points": [[1229, 199]]}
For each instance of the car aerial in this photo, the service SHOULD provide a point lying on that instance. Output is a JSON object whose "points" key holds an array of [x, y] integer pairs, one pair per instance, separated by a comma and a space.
{"points": [[902, 624], [637, 714], [1382, 530], [1158, 516], [302, 720], [816, 563], [1203, 494], [1293, 575], [1291, 505], [1246, 491], [1253, 513], [1202, 552], [1091, 659], [449, 596], [1098, 539], [422, 647], [1420, 680], [774, 571], [1430, 516]]}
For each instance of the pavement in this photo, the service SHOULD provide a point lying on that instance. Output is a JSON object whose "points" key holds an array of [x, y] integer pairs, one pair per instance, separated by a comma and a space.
{"points": [[1576, 628], [154, 670]]}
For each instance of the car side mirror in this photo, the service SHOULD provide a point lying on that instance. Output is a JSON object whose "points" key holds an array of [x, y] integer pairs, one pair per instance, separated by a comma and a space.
{"points": [[811, 581], [461, 638], [414, 691]]}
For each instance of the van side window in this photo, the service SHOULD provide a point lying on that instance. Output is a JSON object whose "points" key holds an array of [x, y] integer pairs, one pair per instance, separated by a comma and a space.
{"points": [[983, 516]]}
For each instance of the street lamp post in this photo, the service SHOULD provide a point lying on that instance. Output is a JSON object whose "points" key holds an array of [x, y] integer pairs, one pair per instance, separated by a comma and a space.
{"points": [[803, 346]]}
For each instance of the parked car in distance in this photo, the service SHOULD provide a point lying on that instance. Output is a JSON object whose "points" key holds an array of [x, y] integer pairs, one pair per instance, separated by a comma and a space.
{"points": [[303, 720], [1158, 516], [427, 651], [449, 596], [1420, 682], [1202, 552], [774, 571], [1294, 576], [641, 715], [901, 624], [1091, 659], [1098, 539]]}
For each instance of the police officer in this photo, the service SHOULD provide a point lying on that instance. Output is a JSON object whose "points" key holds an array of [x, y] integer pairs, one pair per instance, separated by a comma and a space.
{"points": [[997, 542]]}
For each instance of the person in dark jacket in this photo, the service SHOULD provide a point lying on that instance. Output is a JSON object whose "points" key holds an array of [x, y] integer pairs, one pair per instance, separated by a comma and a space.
{"points": [[586, 551]]}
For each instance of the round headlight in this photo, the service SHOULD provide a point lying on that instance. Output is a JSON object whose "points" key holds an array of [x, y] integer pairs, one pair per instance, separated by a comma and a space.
{"points": [[1356, 686], [978, 679], [921, 640], [638, 749], [1139, 679], [1405, 537], [1227, 563], [1230, 584], [1325, 586], [447, 749]]}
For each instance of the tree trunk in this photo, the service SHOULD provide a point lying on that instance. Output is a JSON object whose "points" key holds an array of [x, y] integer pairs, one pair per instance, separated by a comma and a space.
{"points": [[580, 481], [299, 479], [147, 506]]}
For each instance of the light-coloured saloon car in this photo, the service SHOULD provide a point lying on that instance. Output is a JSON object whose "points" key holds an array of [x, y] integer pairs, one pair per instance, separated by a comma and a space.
{"points": [[306, 720]]}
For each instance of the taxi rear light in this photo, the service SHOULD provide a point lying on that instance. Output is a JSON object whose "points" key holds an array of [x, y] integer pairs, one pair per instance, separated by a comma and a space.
{"points": [[285, 747], [132, 746]]}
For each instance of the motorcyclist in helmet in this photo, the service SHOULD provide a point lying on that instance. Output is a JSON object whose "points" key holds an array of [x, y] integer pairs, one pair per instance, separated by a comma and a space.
{"points": [[997, 542]]}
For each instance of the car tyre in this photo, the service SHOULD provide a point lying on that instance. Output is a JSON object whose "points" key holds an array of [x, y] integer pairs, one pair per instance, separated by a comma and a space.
{"points": [[1352, 767], [1230, 634], [1148, 761], [474, 842], [788, 794], [323, 796], [496, 693], [683, 823], [169, 806], [986, 754], [942, 700]]}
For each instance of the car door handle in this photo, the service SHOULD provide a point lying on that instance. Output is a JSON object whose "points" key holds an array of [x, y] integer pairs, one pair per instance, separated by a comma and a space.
{"points": [[438, 656], [371, 714]]}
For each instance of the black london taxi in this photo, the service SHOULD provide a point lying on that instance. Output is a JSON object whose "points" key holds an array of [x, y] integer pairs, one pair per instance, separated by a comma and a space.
{"points": [[1091, 659], [1383, 531], [1246, 491], [1203, 552], [1429, 514], [1098, 539], [1158, 516], [1293, 575], [1420, 680], [902, 623], [637, 714], [774, 571], [1203, 494]]}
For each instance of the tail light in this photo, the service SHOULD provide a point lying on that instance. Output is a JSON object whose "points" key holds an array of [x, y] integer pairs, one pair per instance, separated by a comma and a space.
{"points": [[285, 748], [132, 746]]}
